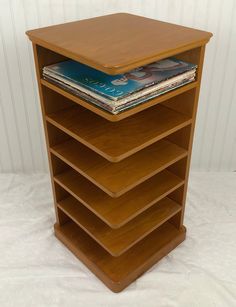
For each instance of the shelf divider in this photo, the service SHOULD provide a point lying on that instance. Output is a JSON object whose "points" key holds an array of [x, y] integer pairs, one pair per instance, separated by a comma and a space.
{"points": [[116, 141], [117, 241], [116, 212], [117, 178], [125, 114]]}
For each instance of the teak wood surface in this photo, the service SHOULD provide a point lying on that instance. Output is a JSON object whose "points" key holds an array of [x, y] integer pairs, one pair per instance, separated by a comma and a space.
{"points": [[122, 115], [118, 178], [117, 141], [116, 212], [119, 181], [118, 272], [117, 241], [119, 42]]}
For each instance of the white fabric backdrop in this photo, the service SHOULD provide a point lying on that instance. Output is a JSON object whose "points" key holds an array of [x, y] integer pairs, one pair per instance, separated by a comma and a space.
{"points": [[36, 270]]}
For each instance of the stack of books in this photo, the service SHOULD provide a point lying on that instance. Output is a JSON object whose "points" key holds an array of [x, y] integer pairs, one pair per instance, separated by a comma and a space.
{"points": [[120, 92]]}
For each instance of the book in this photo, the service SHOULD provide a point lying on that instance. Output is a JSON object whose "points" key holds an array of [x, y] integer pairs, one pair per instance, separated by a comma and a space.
{"points": [[120, 108], [123, 88]]}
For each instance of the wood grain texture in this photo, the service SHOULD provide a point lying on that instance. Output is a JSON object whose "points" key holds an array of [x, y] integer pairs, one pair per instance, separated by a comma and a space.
{"points": [[117, 241], [116, 212], [141, 240], [126, 113], [200, 59], [38, 59], [117, 178], [118, 272], [114, 41], [116, 141]]}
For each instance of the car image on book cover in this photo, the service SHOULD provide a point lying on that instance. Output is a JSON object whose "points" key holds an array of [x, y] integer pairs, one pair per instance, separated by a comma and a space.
{"points": [[120, 92]]}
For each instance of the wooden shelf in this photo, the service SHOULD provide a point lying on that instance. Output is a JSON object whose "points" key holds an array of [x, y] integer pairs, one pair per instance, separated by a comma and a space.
{"points": [[118, 272], [126, 113], [116, 141], [116, 212], [112, 177], [118, 241]]}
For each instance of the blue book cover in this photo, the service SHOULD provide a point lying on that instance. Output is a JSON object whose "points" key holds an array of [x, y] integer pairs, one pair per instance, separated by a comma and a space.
{"points": [[118, 86]]}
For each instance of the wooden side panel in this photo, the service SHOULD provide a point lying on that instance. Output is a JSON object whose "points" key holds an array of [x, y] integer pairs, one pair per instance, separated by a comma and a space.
{"points": [[185, 136], [44, 57]]}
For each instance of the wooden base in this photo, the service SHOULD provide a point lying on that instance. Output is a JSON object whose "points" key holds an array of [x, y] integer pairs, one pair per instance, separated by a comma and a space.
{"points": [[118, 272]]}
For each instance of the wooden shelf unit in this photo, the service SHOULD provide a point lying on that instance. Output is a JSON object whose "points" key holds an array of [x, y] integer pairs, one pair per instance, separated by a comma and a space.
{"points": [[119, 181]]}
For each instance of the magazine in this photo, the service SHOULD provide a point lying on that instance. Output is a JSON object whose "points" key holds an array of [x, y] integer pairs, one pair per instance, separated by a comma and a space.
{"points": [[123, 107], [121, 88]]}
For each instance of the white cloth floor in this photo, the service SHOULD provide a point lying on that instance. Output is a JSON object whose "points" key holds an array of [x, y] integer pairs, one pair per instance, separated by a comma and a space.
{"points": [[37, 270]]}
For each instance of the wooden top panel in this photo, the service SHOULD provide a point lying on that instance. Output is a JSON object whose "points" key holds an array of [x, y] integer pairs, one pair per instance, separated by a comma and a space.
{"points": [[119, 42]]}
